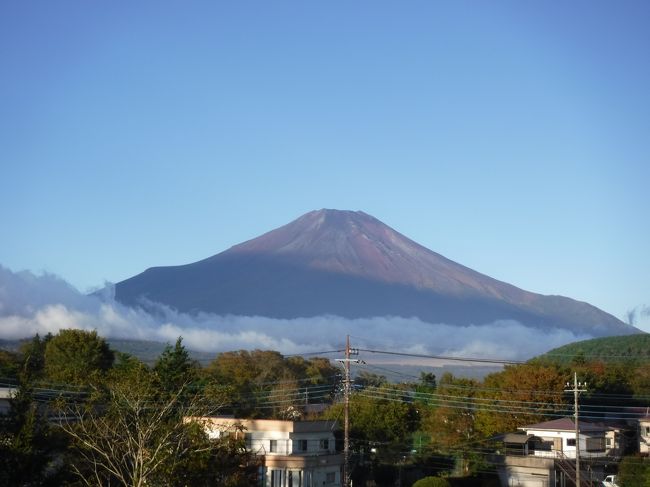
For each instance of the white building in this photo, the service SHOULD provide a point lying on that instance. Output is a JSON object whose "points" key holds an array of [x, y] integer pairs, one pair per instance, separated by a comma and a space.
{"points": [[557, 439], [644, 432], [543, 454], [293, 453], [6, 394]]}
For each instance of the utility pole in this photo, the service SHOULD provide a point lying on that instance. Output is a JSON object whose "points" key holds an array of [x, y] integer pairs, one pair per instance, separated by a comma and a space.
{"points": [[576, 391], [346, 405]]}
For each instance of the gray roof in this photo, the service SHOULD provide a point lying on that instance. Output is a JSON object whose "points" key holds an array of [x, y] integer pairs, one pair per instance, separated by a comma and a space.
{"points": [[565, 424], [517, 438]]}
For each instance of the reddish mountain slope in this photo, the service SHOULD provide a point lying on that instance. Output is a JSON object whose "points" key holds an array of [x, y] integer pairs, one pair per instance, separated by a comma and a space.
{"points": [[351, 264]]}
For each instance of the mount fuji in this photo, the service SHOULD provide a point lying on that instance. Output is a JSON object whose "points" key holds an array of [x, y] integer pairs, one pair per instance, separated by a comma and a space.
{"points": [[349, 264]]}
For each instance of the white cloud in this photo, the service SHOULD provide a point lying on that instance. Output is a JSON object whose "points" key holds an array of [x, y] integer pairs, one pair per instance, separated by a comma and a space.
{"points": [[32, 304]]}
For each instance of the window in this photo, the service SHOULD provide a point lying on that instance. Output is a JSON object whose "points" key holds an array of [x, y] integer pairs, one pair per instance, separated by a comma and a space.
{"points": [[324, 444], [330, 477], [273, 446], [294, 479], [248, 440], [570, 442], [595, 444], [301, 445], [608, 442], [541, 445], [276, 478], [647, 430]]}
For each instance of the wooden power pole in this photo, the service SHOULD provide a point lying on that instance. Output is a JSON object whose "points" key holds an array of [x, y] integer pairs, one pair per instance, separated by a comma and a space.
{"points": [[576, 390], [347, 387]]}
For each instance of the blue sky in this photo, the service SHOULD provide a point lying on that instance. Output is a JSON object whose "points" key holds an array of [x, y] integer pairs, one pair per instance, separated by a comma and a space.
{"points": [[510, 136]]}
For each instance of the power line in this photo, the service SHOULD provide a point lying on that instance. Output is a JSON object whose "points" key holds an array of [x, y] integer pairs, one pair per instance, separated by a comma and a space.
{"points": [[444, 357]]}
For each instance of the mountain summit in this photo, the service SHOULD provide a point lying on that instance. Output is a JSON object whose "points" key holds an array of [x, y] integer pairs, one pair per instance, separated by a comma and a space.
{"points": [[345, 263]]}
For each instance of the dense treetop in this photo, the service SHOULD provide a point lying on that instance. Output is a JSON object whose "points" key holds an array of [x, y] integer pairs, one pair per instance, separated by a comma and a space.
{"points": [[613, 349]]}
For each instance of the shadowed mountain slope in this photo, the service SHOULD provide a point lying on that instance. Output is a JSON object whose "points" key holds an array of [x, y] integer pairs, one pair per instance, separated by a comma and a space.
{"points": [[352, 265]]}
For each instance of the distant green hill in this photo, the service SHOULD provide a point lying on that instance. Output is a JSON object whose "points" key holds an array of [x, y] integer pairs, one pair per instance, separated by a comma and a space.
{"points": [[607, 349], [147, 351]]}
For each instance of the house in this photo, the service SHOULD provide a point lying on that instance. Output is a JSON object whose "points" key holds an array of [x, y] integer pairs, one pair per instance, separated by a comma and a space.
{"points": [[292, 453], [543, 454], [557, 439], [6, 394], [642, 419], [644, 435]]}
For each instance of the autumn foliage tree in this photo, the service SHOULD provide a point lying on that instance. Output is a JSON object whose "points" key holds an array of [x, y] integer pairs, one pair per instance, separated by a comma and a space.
{"points": [[263, 383], [450, 422], [520, 395]]}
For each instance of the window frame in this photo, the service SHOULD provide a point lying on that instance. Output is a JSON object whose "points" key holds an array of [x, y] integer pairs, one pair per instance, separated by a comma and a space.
{"points": [[301, 445]]}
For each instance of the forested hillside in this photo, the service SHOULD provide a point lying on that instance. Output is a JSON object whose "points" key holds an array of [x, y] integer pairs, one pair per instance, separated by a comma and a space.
{"points": [[608, 349]]}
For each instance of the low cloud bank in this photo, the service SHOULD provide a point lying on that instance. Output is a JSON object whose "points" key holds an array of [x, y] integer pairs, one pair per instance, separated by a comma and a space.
{"points": [[31, 303]]}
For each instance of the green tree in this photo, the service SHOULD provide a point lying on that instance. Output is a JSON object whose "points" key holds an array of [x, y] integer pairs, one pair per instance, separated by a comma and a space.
{"points": [[174, 368], [369, 379], [613, 379], [237, 370], [380, 418], [428, 380], [432, 482], [315, 378], [640, 382], [634, 471], [77, 357], [451, 422], [262, 382], [33, 356], [28, 446], [320, 370], [132, 435], [9, 364], [224, 462], [315, 371]]}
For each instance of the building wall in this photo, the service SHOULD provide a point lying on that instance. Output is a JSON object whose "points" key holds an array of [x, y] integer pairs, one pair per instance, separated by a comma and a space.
{"points": [[296, 454], [566, 437], [314, 477], [527, 472], [6, 393], [644, 436]]}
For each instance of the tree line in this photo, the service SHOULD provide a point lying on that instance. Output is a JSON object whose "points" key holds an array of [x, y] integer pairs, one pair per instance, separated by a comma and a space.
{"points": [[84, 414]]}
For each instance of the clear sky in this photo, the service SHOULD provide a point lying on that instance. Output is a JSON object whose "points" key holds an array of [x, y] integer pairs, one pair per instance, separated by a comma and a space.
{"points": [[510, 136]]}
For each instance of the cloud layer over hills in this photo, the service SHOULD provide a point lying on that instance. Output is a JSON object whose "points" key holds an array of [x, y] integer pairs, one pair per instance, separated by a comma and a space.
{"points": [[45, 303]]}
